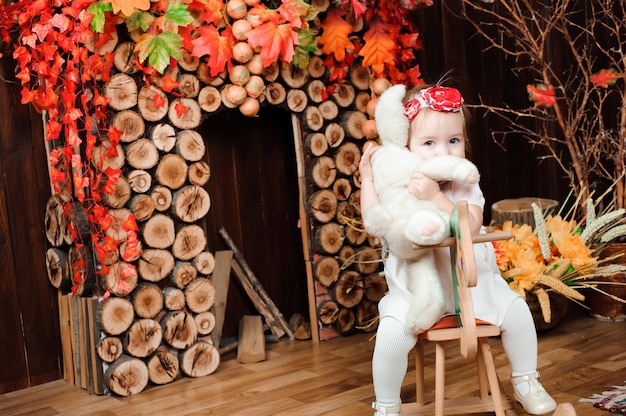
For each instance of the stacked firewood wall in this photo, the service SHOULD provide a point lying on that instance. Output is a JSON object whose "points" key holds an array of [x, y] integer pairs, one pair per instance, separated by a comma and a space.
{"points": [[156, 326]]}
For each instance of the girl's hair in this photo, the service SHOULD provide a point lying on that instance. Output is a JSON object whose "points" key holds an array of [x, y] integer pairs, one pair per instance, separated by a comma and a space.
{"points": [[412, 93]]}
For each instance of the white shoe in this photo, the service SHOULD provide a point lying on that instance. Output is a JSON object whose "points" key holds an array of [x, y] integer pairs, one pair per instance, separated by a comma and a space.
{"points": [[536, 401], [385, 411]]}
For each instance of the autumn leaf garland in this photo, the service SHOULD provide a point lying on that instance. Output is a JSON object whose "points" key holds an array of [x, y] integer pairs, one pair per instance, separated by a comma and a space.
{"points": [[53, 42]]}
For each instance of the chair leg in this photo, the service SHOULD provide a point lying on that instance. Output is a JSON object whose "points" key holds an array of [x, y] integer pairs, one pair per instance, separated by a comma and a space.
{"points": [[419, 373], [485, 351], [483, 382], [440, 380]]}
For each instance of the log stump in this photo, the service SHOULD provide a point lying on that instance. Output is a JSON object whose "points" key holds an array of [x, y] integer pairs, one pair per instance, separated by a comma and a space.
{"points": [[519, 210]]}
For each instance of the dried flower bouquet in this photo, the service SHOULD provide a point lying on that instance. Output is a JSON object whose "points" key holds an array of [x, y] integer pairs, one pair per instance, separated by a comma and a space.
{"points": [[560, 255]]}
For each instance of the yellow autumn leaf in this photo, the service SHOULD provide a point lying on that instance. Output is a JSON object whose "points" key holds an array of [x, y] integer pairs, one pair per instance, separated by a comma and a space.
{"points": [[127, 7]]}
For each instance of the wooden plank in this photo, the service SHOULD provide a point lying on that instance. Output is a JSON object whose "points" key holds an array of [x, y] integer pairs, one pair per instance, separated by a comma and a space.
{"points": [[66, 337], [221, 279], [94, 333], [73, 318], [251, 342], [260, 305], [308, 253], [248, 275], [82, 343]]}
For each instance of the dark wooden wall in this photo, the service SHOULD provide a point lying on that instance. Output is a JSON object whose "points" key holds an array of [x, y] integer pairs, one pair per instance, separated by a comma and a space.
{"points": [[452, 47], [254, 197], [29, 326]]}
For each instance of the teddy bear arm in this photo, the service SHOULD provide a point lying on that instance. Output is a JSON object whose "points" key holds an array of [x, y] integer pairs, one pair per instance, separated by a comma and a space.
{"points": [[450, 168]]}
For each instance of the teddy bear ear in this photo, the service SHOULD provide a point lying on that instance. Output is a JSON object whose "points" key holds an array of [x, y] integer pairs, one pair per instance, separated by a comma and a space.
{"points": [[391, 123]]}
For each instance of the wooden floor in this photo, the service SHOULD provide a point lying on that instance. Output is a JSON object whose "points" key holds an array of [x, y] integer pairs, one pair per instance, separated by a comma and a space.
{"points": [[580, 357]]}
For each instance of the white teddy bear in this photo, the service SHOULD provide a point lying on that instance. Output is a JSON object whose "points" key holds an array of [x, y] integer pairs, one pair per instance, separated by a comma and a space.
{"points": [[401, 219]]}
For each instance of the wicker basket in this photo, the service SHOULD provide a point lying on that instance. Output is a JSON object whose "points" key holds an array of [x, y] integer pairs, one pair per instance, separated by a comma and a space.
{"points": [[559, 305], [601, 306]]}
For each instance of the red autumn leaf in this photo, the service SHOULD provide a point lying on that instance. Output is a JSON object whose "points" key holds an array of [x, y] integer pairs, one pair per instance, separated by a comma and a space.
{"points": [[219, 48], [187, 35], [169, 83], [61, 22], [54, 156], [80, 195], [379, 46], [130, 223], [114, 134], [542, 95], [108, 188], [105, 222], [293, 11], [211, 10], [274, 41], [180, 109], [129, 271], [605, 77], [415, 76], [91, 144], [99, 99], [260, 14], [356, 6], [53, 129], [56, 175], [335, 37], [158, 101], [123, 286], [132, 246]]}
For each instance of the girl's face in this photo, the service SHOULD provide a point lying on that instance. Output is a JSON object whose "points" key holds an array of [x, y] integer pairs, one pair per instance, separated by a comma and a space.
{"points": [[436, 133]]}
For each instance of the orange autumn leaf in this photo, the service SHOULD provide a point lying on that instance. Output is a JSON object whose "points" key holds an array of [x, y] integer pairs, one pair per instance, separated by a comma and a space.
{"points": [[335, 37], [379, 46], [274, 41], [127, 7]]}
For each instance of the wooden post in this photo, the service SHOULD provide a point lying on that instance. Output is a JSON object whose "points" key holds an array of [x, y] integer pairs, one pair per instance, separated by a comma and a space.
{"points": [[221, 278], [251, 343]]}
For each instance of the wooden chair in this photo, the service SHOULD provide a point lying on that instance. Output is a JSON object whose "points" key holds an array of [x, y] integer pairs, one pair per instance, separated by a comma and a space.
{"points": [[471, 334]]}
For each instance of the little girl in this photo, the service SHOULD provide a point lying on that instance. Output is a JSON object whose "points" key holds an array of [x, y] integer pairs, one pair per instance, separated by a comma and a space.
{"points": [[438, 127]]}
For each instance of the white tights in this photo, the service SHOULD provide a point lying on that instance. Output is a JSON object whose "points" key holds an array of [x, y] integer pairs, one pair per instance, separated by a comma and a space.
{"points": [[394, 342]]}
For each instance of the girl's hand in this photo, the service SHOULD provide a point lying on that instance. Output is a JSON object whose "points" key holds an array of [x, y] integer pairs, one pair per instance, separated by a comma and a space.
{"points": [[365, 165], [423, 187]]}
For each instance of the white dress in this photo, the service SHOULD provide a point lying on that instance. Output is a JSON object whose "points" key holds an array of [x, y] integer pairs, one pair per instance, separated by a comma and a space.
{"points": [[491, 296]]}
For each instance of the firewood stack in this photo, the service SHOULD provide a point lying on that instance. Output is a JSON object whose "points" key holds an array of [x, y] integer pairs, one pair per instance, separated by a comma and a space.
{"points": [[156, 326]]}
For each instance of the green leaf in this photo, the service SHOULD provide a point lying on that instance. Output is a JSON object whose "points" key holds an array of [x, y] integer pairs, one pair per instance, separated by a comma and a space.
{"points": [[178, 14], [98, 9], [158, 49], [139, 20], [305, 47]]}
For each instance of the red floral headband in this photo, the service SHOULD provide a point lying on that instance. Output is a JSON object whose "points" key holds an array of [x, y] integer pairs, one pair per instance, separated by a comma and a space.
{"points": [[444, 99]]}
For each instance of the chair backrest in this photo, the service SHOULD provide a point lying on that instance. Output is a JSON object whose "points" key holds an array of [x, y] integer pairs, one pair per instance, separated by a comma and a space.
{"points": [[463, 277]]}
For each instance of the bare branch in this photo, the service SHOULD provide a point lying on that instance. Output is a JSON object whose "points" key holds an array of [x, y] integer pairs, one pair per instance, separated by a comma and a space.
{"points": [[584, 132]]}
